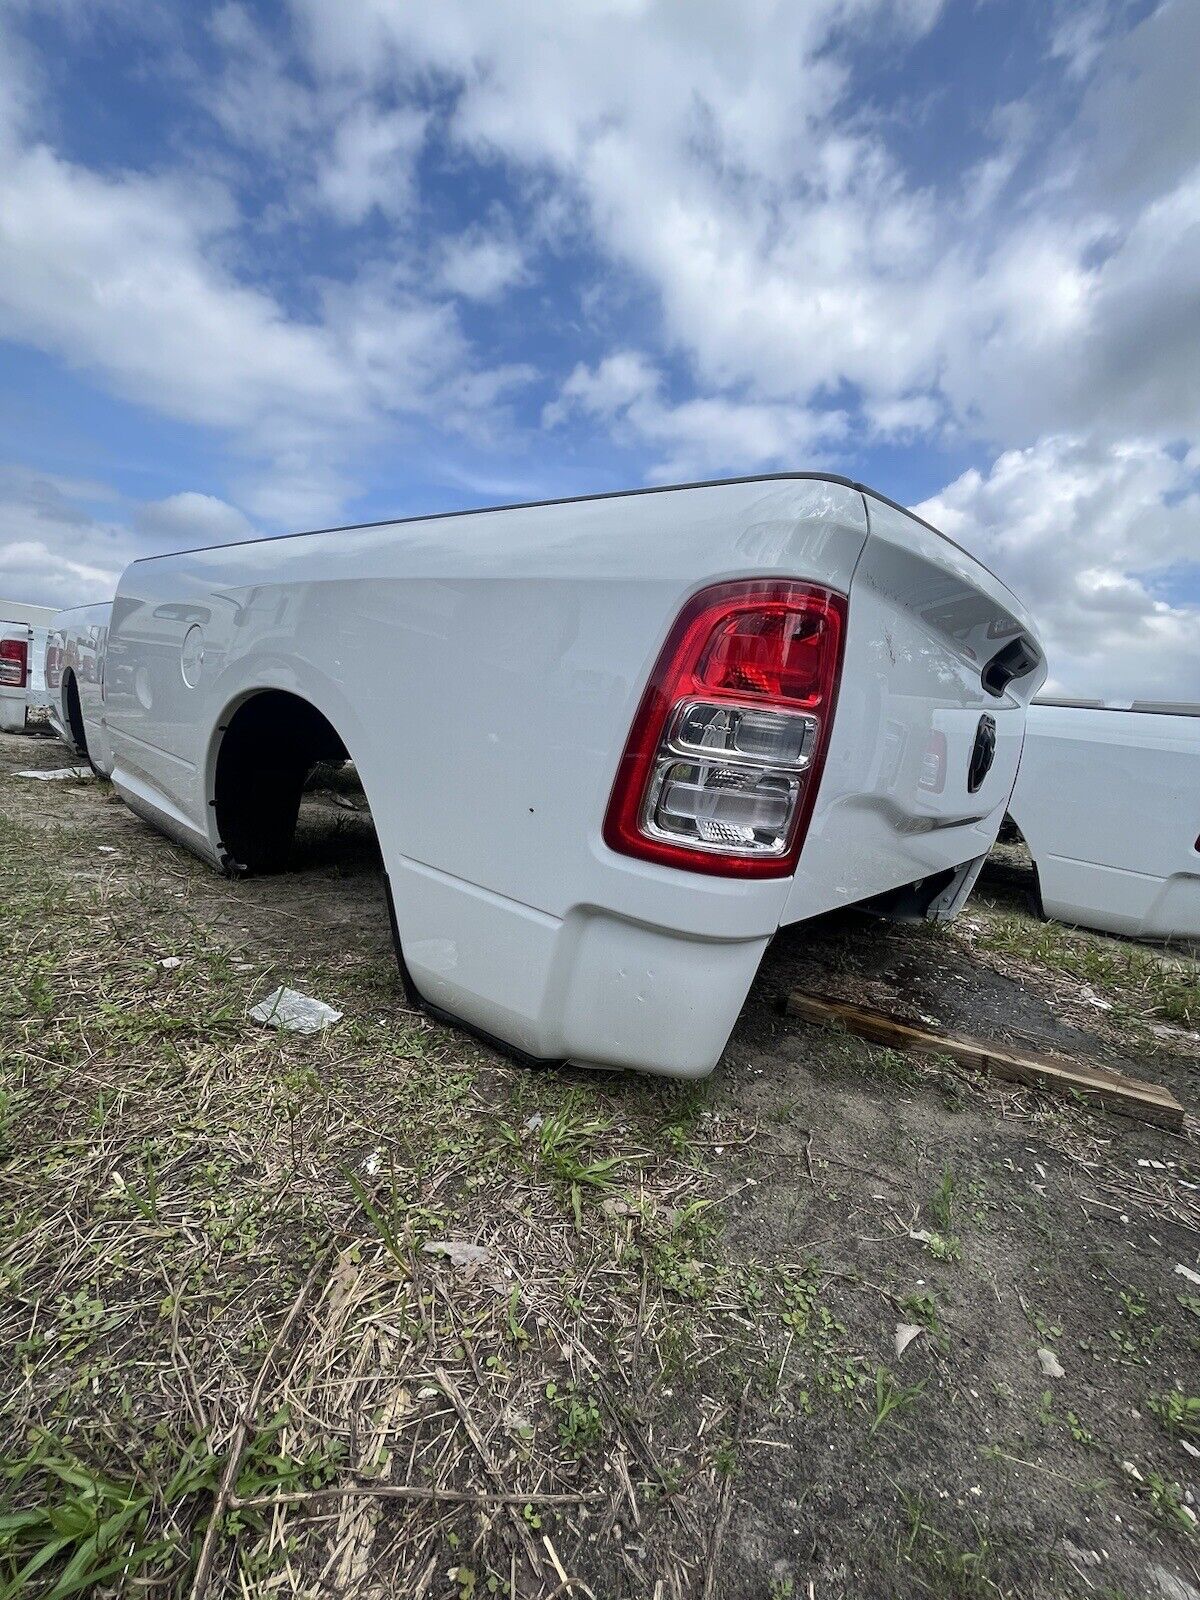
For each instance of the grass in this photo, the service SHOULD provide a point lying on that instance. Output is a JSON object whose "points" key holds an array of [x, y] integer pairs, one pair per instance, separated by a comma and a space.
{"points": [[161, 1206], [87, 1527], [946, 1567], [650, 1260], [891, 1398], [580, 1425], [1140, 982], [1179, 1413], [563, 1146]]}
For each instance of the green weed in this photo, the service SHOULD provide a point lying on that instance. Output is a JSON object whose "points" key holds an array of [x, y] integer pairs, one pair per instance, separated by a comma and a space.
{"points": [[580, 1425], [891, 1397], [1178, 1412]]}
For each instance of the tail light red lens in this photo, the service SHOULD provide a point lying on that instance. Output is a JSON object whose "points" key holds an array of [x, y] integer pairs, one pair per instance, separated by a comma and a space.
{"points": [[14, 663], [776, 652], [723, 762]]}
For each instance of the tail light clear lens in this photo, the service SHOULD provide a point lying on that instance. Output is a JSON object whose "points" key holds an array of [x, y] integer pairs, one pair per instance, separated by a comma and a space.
{"points": [[723, 761], [14, 663]]}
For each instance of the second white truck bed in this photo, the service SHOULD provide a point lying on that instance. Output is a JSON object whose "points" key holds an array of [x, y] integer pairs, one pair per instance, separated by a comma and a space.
{"points": [[1108, 801]]}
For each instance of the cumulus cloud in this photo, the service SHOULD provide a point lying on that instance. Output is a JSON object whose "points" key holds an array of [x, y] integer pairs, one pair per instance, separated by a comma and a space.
{"points": [[55, 551], [481, 266], [722, 156], [190, 518], [698, 437], [371, 161], [1091, 536], [133, 277], [123, 276], [66, 541]]}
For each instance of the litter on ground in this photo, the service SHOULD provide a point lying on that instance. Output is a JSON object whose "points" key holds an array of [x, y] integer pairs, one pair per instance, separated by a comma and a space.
{"points": [[299, 1013], [56, 772], [458, 1251], [906, 1332], [1051, 1366]]}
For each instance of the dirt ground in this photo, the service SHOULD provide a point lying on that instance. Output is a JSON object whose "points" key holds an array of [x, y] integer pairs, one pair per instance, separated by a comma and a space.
{"points": [[464, 1328]]}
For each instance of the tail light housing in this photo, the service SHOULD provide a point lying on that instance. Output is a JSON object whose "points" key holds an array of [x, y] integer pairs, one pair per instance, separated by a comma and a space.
{"points": [[14, 663], [722, 765]]}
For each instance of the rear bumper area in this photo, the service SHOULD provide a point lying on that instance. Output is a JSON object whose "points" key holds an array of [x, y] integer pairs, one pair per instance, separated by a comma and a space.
{"points": [[593, 988]]}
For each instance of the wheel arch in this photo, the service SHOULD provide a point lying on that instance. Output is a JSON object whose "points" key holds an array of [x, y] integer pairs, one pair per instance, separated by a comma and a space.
{"points": [[72, 711], [269, 734]]}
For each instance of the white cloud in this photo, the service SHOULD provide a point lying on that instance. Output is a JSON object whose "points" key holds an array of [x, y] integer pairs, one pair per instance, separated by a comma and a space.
{"points": [[697, 437], [124, 276], [903, 417], [1089, 536], [255, 99], [722, 155], [191, 518], [57, 550], [115, 274], [371, 161], [612, 385], [54, 551], [1078, 37], [481, 266]]}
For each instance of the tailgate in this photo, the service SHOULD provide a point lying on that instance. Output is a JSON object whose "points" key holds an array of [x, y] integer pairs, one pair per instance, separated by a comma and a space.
{"points": [[929, 724]]}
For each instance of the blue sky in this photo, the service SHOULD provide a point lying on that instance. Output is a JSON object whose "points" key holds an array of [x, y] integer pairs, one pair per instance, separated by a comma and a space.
{"points": [[268, 267]]}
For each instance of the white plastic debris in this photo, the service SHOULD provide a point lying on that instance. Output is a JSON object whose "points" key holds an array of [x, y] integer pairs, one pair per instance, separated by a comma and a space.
{"points": [[373, 1163], [169, 963], [1051, 1367], [906, 1332], [460, 1252], [107, 849], [533, 1123], [1186, 1272], [57, 772], [299, 1013]]}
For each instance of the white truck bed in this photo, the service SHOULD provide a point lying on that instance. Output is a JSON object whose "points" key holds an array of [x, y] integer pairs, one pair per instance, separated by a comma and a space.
{"points": [[23, 693], [1108, 801], [595, 804], [75, 661]]}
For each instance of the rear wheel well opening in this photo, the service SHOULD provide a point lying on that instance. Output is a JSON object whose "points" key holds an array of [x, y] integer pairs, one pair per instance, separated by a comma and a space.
{"points": [[73, 710], [1015, 867], [1009, 832], [268, 748]]}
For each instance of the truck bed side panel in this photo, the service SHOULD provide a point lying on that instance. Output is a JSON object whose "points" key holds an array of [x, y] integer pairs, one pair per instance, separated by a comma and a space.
{"points": [[484, 672]]}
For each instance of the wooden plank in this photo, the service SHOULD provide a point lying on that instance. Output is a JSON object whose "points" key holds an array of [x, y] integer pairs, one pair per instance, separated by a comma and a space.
{"points": [[1130, 1097]]}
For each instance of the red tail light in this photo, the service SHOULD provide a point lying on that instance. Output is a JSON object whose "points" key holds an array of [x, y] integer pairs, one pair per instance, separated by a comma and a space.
{"points": [[723, 762], [14, 663]]}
